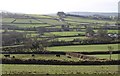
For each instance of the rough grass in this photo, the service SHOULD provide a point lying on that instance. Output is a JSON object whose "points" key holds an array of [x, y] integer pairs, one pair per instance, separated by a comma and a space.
{"points": [[42, 57], [57, 69]]}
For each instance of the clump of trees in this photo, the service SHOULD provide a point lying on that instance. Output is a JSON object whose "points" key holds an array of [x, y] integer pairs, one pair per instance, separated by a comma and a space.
{"points": [[37, 45], [61, 14], [13, 38], [90, 31]]}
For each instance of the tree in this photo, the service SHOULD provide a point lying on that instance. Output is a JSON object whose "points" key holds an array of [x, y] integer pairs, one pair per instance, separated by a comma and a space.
{"points": [[41, 30], [36, 44], [61, 14], [110, 48], [102, 33], [12, 38], [90, 31]]}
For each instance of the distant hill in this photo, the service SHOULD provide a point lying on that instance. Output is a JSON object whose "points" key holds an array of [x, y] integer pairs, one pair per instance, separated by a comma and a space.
{"points": [[93, 13], [6, 13]]}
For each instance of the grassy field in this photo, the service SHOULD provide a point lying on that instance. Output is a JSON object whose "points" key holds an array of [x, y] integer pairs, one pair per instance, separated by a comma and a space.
{"points": [[61, 58], [78, 19], [39, 16], [30, 25], [19, 31], [52, 22], [56, 69], [113, 31], [83, 48], [32, 35], [64, 33], [71, 38], [110, 31], [27, 21], [114, 56], [9, 20]]}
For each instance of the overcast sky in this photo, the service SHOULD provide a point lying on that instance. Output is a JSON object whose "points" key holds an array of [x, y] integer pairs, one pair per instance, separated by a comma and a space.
{"points": [[53, 6]]}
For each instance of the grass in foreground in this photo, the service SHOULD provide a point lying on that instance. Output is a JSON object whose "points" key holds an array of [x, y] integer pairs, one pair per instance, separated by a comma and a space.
{"points": [[57, 69]]}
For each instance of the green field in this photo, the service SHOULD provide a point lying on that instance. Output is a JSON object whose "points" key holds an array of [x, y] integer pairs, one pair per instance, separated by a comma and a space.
{"points": [[113, 31], [19, 31], [52, 22], [39, 16], [84, 48], [56, 69], [71, 38], [64, 33], [61, 58], [110, 31], [78, 19], [30, 25], [107, 56], [27, 21], [44, 18], [9, 20]]}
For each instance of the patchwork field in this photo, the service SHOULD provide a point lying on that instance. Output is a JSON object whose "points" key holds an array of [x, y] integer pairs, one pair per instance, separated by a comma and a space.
{"points": [[30, 25]]}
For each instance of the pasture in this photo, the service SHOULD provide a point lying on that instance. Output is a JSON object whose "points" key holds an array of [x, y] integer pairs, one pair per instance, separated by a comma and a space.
{"points": [[42, 57], [83, 48]]}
